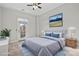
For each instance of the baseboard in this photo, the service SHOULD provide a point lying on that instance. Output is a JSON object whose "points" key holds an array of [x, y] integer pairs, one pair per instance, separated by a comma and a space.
{"points": [[13, 41]]}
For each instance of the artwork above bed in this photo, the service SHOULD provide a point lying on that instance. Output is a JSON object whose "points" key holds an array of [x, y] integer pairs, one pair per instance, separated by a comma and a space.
{"points": [[56, 20]]}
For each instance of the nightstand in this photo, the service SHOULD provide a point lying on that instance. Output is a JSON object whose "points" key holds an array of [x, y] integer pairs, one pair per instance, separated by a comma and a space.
{"points": [[71, 42]]}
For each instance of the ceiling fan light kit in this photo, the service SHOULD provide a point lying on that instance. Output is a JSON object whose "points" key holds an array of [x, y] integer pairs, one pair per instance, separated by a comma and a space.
{"points": [[35, 5]]}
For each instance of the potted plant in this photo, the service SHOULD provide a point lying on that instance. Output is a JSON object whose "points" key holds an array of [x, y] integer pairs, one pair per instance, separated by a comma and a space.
{"points": [[5, 33]]}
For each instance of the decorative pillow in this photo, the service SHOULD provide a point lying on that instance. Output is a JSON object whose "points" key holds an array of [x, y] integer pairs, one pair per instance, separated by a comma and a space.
{"points": [[48, 33], [56, 35]]}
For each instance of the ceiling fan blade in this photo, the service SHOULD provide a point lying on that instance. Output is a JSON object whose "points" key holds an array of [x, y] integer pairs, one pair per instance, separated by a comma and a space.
{"points": [[38, 3], [39, 7], [29, 5]]}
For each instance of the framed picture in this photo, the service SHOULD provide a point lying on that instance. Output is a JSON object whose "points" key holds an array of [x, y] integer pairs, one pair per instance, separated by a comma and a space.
{"points": [[56, 20]]}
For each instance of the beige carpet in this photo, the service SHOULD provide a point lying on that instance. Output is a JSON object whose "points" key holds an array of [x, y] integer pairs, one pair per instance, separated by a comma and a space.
{"points": [[13, 49], [67, 51]]}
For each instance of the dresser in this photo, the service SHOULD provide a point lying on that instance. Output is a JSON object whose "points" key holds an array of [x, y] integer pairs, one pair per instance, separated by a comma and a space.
{"points": [[71, 42], [4, 47]]}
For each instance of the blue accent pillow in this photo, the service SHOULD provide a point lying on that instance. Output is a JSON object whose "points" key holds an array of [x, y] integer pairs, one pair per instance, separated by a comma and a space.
{"points": [[48, 34], [56, 35]]}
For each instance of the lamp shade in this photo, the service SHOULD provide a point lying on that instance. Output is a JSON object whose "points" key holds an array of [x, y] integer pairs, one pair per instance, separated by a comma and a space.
{"points": [[72, 29], [71, 32]]}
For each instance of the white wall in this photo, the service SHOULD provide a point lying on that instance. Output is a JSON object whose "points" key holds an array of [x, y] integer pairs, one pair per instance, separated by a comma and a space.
{"points": [[0, 18], [10, 18], [37, 24], [70, 17]]}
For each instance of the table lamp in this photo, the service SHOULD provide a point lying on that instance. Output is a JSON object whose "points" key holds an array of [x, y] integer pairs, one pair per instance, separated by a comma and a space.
{"points": [[72, 32]]}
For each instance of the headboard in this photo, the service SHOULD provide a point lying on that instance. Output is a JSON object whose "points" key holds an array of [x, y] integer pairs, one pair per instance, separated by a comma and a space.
{"points": [[56, 31]]}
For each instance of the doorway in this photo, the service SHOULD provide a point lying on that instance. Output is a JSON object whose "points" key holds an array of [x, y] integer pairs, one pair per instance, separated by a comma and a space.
{"points": [[22, 28]]}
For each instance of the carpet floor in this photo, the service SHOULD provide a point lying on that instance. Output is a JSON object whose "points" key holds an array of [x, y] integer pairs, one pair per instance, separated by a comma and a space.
{"points": [[16, 49]]}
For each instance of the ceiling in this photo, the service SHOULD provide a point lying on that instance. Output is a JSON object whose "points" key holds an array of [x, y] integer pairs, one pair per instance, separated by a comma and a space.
{"points": [[24, 8]]}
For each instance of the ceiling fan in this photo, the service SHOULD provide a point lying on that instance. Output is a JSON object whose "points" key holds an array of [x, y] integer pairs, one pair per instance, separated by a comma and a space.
{"points": [[35, 5]]}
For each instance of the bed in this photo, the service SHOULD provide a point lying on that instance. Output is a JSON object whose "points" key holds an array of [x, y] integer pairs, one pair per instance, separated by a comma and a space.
{"points": [[44, 46]]}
